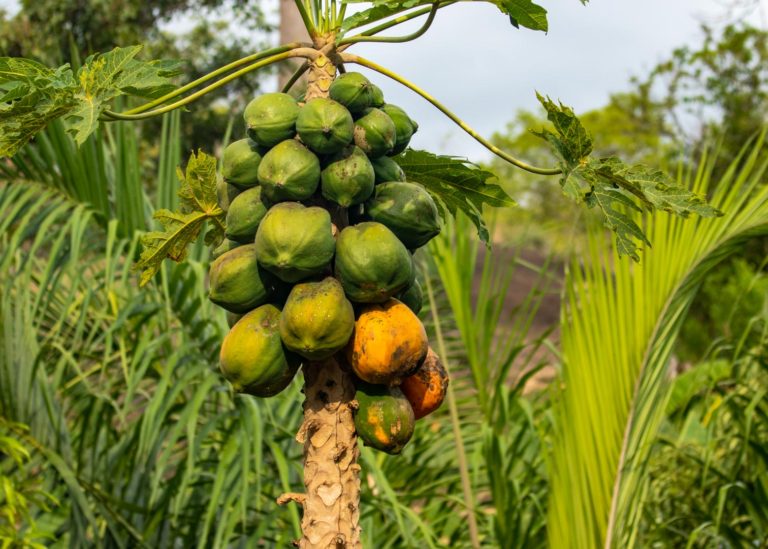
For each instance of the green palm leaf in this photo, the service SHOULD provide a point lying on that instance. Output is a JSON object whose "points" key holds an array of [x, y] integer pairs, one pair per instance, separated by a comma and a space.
{"points": [[619, 325]]}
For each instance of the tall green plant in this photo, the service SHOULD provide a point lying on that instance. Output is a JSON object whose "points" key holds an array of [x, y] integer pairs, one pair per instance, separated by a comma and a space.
{"points": [[501, 453], [709, 469], [619, 324]]}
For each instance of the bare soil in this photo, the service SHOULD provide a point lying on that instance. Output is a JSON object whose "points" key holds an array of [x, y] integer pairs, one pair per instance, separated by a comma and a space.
{"points": [[527, 278]]}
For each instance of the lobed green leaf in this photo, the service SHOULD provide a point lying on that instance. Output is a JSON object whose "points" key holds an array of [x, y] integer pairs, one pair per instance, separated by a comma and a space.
{"points": [[379, 11], [456, 184], [522, 13], [180, 229], [33, 95], [612, 186]]}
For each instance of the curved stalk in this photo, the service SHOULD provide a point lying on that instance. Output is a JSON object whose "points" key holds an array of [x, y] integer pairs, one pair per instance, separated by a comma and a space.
{"points": [[349, 58], [297, 52], [295, 77], [221, 70], [363, 37]]}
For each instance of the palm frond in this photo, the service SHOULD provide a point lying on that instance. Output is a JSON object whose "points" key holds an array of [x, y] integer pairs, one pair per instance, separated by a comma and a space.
{"points": [[619, 325]]}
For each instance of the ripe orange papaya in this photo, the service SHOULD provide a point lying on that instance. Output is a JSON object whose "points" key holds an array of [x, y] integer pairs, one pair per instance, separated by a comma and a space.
{"points": [[426, 388], [388, 343], [384, 419]]}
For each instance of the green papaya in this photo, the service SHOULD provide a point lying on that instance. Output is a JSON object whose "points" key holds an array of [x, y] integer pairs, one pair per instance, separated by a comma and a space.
{"points": [[384, 418], [375, 133], [317, 319], [289, 171], [295, 242], [371, 263], [244, 215], [225, 193], [353, 90], [377, 96], [405, 127], [240, 163], [413, 297], [348, 178], [271, 118], [407, 209], [237, 282], [253, 358], [325, 126], [224, 247], [387, 170]]}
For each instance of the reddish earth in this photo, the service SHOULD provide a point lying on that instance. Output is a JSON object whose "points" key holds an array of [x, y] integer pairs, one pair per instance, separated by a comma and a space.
{"points": [[528, 278]]}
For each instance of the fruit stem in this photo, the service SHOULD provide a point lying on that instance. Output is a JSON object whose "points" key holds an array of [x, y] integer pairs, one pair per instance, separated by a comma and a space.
{"points": [[350, 58], [367, 36], [308, 53]]}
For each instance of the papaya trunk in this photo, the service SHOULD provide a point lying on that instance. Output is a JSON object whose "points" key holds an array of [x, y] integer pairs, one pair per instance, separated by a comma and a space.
{"points": [[331, 472]]}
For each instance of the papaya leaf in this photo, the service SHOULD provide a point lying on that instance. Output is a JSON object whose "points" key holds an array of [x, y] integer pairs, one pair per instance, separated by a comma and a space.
{"points": [[456, 184], [379, 11], [106, 76], [612, 186], [572, 143], [654, 188], [180, 229], [522, 13], [33, 95]]}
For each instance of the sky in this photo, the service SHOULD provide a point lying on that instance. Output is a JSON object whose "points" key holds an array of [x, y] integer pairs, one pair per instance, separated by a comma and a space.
{"points": [[485, 70]]}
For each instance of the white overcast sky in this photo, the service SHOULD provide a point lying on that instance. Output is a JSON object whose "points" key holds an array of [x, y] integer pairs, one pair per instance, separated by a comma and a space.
{"points": [[484, 69]]}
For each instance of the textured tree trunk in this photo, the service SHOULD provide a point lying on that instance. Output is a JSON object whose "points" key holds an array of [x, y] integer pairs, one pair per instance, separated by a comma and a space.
{"points": [[331, 472], [291, 30]]}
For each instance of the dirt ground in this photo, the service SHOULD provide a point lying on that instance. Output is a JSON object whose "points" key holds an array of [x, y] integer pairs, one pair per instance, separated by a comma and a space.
{"points": [[526, 279]]}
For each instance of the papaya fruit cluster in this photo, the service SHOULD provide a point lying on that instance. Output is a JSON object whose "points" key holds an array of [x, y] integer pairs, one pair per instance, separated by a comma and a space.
{"points": [[321, 226]]}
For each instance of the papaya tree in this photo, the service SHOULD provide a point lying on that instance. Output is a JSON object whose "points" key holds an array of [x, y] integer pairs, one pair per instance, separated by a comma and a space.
{"points": [[314, 216]]}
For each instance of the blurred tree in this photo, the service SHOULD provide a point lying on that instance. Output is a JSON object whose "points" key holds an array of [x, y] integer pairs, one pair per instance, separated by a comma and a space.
{"points": [[718, 89]]}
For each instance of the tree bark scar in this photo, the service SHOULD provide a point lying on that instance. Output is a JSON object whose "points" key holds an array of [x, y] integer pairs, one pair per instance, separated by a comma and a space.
{"points": [[331, 472]]}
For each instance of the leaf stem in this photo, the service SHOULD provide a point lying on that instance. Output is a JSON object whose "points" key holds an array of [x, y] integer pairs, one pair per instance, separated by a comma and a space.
{"points": [[295, 77], [308, 53], [306, 17], [367, 36], [350, 58], [213, 74]]}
